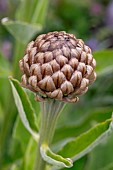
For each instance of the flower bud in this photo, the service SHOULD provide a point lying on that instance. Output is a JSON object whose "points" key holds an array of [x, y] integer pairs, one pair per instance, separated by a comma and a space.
{"points": [[58, 65]]}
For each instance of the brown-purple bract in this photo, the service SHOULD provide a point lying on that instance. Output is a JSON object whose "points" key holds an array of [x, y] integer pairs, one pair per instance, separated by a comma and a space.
{"points": [[58, 65]]}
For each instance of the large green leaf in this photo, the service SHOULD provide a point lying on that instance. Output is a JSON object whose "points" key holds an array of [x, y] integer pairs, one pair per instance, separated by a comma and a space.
{"points": [[104, 60], [97, 160], [73, 130], [84, 143], [24, 107], [21, 31]]}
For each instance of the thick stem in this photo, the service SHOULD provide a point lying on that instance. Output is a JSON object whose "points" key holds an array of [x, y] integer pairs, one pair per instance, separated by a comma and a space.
{"points": [[50, 112]]}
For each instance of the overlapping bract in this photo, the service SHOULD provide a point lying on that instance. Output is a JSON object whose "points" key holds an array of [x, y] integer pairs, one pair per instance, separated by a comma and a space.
{"points": [[58, 65]]}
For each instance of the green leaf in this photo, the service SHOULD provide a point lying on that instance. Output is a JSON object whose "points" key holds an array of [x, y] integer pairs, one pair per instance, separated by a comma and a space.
{"points": [[30, 155], [104, 60], [4, 61], [4, 91], [32, 11], [53, 158], [84, 143], [96, 158], [73, 130], [5, 69], [16, 166], [25, 10], [36, 105], [21, 134], [21, 31], [4, 73], [39, 14], [79, 164], [24, 107]]}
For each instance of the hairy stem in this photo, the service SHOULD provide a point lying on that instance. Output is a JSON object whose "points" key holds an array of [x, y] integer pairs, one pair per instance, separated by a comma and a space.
{"points": [[50, 112]]}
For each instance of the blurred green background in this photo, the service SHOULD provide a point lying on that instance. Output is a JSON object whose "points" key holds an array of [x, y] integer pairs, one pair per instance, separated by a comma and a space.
{"points": [[89, 20]]}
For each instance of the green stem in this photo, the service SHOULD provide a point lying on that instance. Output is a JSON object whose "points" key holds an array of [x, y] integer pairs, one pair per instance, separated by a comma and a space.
{"points": [[50, 112]]}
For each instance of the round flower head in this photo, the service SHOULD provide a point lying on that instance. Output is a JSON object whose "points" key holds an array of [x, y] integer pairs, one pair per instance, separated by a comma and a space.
{"points": [[58, 65]]}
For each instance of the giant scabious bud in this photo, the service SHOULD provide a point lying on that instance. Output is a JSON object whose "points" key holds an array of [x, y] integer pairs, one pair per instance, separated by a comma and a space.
{"points": [[58, 65]]}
